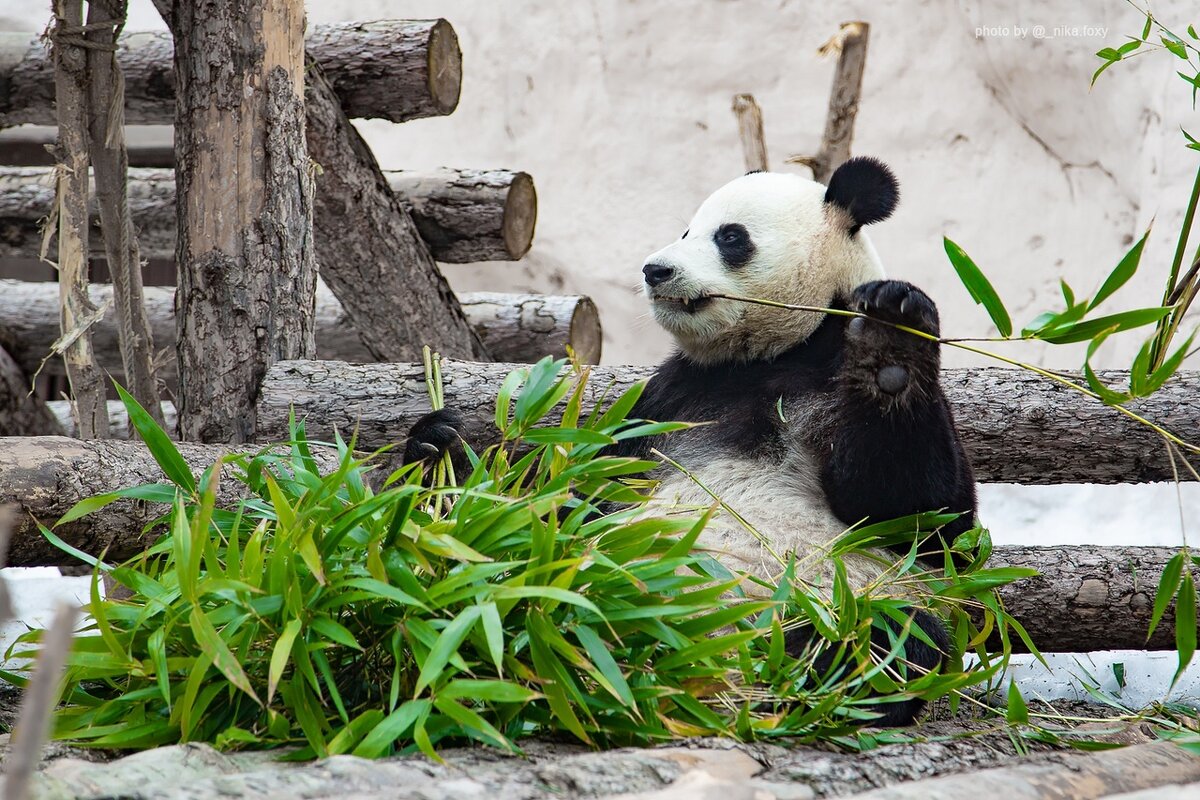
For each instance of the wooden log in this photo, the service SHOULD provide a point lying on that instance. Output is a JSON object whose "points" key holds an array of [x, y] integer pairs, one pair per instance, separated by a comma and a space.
{"points": [[750, 132], [518, 327], [1016, 426], [470, 215], [371, 254], [393, 69], [46, 475], [462, 215], [850, 43], [1083, 777], [21, 412], [1088, 598], [43, 476], [245, 251], [26, 146], [118, 419]]}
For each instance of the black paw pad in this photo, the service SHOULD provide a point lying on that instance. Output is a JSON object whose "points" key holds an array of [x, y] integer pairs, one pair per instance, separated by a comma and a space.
{"points": [[892, 380], [432, 435], [897, 302]]}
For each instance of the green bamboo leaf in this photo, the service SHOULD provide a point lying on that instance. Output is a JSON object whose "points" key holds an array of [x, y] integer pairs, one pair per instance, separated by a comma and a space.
{"points": [[379, 741], [600, 655], [224, 660], [1108, 396], [980, 288], [1113, 323], [334, 632], [472, 723], [1185, 623], [280, 654], [1017, 712], [158, 443], [1169, 367], [446, 646], [555, 686], [1121, 273], [1168, 585], [512, 381], [490, 690], [1178, 48], [566, 436], [545, 593]]}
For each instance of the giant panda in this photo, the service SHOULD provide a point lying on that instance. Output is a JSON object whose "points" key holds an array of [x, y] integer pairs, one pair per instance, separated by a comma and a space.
{"points": [[817, 422]]}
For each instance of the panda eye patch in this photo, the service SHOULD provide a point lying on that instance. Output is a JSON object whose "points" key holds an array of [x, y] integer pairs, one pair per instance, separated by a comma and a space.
{"points": [[734, 244]]}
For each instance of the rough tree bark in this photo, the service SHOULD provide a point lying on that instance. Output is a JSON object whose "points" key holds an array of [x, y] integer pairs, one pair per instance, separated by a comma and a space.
{"points": [[110, 165], [462, 215], [21, 412], [750, 132], [1016, 426], [518, 327], [850, 43], [70, 81], [374, 260], [393, 69], [1089, 595], [247, 265]]}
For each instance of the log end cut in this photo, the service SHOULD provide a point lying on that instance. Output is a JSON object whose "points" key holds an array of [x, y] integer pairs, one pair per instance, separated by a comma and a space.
{"points": [[445, 67], [586, 335], [520, 216]]}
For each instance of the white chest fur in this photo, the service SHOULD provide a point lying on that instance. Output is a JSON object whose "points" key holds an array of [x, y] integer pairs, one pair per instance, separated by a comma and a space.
{"points": [[782, 501]]}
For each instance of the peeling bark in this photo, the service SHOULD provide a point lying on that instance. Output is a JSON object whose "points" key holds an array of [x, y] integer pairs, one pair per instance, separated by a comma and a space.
{"points": [[247, 264], [392, 69]]}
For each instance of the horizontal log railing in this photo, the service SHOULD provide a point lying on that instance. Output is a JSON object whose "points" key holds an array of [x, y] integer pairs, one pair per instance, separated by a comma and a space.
{"points": [[514, 327], [1016, 427], [462, 215], [392, 69]]}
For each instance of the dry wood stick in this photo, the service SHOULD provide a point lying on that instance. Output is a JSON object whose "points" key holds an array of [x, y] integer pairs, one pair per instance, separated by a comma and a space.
{"points": [[750, 131], [70, 62], [111, 165], [850, 43]]}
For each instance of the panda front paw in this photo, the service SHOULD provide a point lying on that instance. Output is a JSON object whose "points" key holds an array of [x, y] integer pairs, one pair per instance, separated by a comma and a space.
{"points": [[897, 302], [433, 435]]}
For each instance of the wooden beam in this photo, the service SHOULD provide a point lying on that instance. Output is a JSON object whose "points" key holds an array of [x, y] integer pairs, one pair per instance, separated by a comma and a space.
{"points": [[391, 69], [462, 215], [517, 327], [1016, 426]]}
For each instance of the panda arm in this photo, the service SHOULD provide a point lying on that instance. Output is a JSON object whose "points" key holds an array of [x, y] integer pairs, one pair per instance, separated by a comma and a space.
{"points": [[893, 447]]}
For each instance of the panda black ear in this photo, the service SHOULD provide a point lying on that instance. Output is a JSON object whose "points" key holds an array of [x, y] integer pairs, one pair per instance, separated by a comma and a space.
{"points": [[866, 189]]}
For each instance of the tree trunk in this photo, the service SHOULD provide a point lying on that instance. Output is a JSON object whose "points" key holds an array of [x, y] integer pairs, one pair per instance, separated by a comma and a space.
{"points": [[21, 412], [70, 80], [247, 267], [518, 327], [462, 215], [110, 165], [393, 69], [373, 259], [1016, 426], [850, 44]]}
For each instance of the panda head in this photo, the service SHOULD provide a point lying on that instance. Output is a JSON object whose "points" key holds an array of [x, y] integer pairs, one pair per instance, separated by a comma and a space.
{"points": [[769, 236]]}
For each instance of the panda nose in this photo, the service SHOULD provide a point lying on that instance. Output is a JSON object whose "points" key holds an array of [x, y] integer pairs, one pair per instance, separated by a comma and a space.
{"points": [[657, 273]]}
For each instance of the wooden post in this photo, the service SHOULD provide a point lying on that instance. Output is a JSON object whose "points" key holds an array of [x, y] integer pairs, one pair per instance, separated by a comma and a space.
{"points": [[110, 164], [850, 43], [247, 269], [70, 68], [750, 131]]}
